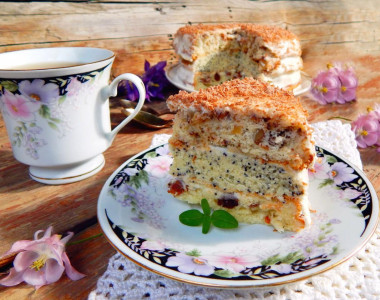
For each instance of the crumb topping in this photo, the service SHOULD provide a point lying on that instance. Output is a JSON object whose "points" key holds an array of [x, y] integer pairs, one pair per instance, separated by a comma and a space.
{"points": [[268, 33], [244, 97]]}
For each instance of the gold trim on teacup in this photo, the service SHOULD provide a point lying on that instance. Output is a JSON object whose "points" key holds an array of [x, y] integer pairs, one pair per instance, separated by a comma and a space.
{"points": [[69, 177], [59, 68]]}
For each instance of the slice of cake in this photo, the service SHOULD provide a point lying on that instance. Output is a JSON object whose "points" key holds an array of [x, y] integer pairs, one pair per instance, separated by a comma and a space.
{"points": [[212, 54], [245, 146]]}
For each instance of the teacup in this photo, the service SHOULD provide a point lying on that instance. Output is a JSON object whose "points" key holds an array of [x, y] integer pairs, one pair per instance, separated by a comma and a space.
{"points": [[55, 107]]}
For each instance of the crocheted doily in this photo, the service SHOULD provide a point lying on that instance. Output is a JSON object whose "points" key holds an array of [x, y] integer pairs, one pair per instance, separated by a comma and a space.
{"points": [[357, 278]]}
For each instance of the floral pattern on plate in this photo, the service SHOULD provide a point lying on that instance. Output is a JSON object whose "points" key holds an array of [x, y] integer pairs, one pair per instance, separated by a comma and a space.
{"points": [[25, 100], [140, 212]]}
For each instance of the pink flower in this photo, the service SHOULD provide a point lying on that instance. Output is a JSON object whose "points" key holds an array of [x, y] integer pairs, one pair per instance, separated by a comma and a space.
{"points": [[366, 129], [152, 245], [40, 261], [325, 87], [19, 107], [74, 87], [321, 169], [232, 262], [349, 83], [337, 84], [158, 166]]}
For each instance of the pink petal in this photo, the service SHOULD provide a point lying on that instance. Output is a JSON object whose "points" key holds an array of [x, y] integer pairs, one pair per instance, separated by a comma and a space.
{"points": [[53, 270], [70, 271], [33, 277], [48, 232], [14, 278], [24, 259], [67, 237], [349, 95], [19, 246]]}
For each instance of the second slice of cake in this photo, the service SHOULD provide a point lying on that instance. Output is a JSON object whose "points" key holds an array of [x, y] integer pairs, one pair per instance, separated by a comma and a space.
{"points": [[245, 146]]}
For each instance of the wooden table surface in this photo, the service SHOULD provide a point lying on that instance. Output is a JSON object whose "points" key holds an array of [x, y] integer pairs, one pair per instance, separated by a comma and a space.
{"points": [[329, 31]]}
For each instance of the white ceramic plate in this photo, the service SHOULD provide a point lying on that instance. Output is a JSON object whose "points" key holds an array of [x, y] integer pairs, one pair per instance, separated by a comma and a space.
{"points": [[140, 219], [171, 75]]}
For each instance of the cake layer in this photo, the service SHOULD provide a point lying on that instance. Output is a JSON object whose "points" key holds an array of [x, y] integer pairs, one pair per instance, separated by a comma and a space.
{"points": [[292, 215], [288, 146], [231, 172]]}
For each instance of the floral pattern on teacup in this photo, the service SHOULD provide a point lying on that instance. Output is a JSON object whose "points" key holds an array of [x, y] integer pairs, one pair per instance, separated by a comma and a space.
{"points": [[28, 101]]}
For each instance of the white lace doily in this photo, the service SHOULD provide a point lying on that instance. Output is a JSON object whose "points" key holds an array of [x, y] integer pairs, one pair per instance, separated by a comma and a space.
{"points": [[357, 278]]}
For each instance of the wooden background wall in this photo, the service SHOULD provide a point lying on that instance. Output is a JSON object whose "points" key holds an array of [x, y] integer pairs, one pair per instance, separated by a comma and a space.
{"points": [[142, 30]]}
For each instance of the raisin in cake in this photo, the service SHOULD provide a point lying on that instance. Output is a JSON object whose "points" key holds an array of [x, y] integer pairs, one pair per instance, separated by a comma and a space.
{"points": [[245, 146], [211, 54]]}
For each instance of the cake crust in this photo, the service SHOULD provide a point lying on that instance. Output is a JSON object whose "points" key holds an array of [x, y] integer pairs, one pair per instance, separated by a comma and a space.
{"points": [[244, 97], [269, 33]]}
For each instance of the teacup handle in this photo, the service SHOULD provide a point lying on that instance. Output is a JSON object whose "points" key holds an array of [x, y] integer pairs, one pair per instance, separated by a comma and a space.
{"points": [[112, 92]]}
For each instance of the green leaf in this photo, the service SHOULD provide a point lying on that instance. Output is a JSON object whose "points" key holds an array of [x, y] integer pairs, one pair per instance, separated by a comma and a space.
{"points": [[226, 273], [223, 219], [55, 120], [325, 183], [150, 154], [62, 99], [143, 175], [194, 252], [291, 257], [191, 217], [53, 125], [206, 207], [206, 224], [9, 85], [272, 260], [330, 159], [44, 111]]}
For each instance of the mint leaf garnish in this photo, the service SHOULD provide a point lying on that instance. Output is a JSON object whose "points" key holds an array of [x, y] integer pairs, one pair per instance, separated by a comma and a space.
{"points": [[206, 224], [219, 218], [223, 219], [191, 217], [206, 207]]}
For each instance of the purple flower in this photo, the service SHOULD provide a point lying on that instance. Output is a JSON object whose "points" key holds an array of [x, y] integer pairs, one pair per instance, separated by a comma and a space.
{"points": [[190, 264], [41, 261], [325, 87], [38, 91], [129, 90], [154, 79], [367, 130], [340, 173]]}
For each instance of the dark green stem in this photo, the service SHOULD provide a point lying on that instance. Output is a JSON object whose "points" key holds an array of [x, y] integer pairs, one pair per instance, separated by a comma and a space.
{"points": [[84, 240], [341, 118]]}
